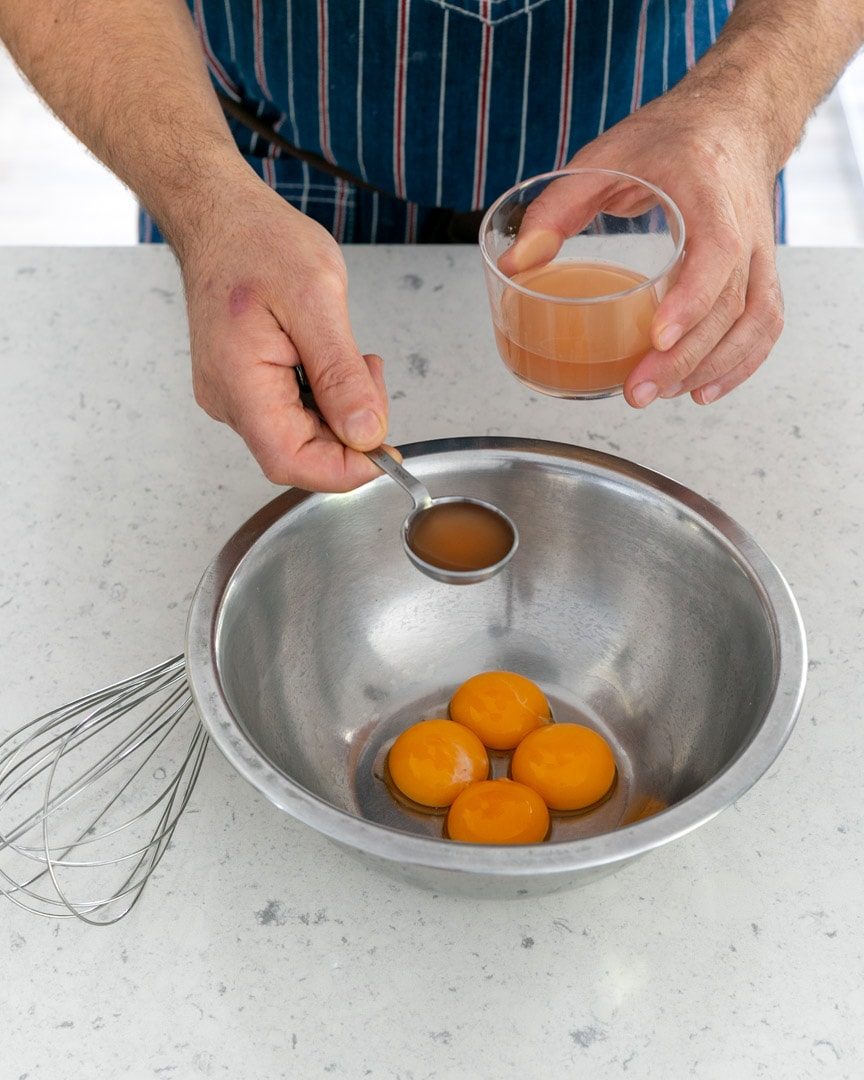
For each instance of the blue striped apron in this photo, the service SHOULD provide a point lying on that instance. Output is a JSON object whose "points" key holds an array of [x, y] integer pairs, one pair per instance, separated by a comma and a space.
{"points": [[437, 102]]}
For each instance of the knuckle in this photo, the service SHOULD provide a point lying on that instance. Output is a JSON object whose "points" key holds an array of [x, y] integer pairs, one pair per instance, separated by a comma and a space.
{"points": [[322, 286], [735, 352], [703, 153], [710, 370], [730, 375], [701, 302], [682, 362], [275, 472], [756, 357], [775, 314], [733, 242], [337, 378], [273, 464], [740, 359], [708, 152], [740, 374], [725, 363], [731, 305], [737, 300], [205, 398], [769, 321], [713, 159], [717, 364], [774, 327], [331, 280], [729, 240], [719, 222]]}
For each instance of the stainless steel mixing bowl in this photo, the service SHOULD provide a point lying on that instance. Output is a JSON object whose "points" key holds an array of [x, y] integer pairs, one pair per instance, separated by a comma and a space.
{"points": [[638, 606]]}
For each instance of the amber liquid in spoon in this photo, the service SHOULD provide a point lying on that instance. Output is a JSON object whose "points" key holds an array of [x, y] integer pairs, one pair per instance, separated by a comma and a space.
{"points": [[460, 536]]}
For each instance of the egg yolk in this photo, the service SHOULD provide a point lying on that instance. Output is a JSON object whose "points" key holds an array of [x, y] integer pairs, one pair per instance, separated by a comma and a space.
{"points": [[498, 812], [569, 765], [500, 707], [434, 760]]}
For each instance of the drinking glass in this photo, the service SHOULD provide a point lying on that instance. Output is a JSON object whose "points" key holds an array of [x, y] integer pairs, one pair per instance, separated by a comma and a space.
{"points": [[577, 262]]}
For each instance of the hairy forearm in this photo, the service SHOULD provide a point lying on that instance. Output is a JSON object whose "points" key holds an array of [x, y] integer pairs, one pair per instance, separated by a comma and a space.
{"points": [[775, 61], [128, 78]]}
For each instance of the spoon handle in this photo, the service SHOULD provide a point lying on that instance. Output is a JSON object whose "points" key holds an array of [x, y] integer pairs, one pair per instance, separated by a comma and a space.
{"points": [[385, 462], [388, 464]]}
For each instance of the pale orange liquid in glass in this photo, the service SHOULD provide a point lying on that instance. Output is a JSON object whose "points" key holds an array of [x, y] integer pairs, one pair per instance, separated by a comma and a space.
{"points": [[571, 350]]}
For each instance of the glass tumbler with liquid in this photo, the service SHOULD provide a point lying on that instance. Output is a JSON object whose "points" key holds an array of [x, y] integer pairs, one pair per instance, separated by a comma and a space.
{"points": [[576, 264]]}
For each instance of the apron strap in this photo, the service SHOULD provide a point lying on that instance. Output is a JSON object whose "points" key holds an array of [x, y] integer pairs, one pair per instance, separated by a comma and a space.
{"points": [[444, 226], [255, 123]]}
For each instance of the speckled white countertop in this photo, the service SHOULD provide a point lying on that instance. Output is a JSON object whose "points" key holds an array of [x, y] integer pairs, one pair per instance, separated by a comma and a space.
{"points": [[262, 951]]}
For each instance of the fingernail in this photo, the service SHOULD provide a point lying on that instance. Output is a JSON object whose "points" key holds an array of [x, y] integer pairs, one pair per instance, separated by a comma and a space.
{"points": [[644, 394], [363, 428], [672, 391], [668, 336], [534, 249], [709, 394]]}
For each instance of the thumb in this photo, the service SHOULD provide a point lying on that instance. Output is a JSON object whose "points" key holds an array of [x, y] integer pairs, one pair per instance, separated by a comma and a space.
{"points": [[349, 393], [564, 208]]}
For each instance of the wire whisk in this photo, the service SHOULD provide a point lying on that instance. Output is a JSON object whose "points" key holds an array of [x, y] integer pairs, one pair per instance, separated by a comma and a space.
{"points": [[91, 792]]}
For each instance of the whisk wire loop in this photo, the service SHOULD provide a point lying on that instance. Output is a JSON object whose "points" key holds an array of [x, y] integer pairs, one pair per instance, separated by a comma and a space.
{"points": [[58, 786]]}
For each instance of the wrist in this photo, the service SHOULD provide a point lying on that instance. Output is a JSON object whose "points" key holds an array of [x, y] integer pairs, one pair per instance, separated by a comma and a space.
{"points": [[772, 64], [191, 213], [741, 99]]}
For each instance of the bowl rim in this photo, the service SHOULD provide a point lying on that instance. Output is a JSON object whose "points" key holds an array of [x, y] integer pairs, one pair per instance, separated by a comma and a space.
{"points": [[564, 857]]}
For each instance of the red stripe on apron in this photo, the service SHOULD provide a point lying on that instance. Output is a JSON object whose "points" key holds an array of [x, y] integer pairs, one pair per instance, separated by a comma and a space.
{"points": [[339, 210], [258, 26], [639, 66], [481, 145], [690, 34], [221, 75], [566, 85], [399, 96], [323, 82]]}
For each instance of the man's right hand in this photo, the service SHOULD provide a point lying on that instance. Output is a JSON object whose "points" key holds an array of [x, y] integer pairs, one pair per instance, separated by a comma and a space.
{"points": [[265, 285], [266, 289]]}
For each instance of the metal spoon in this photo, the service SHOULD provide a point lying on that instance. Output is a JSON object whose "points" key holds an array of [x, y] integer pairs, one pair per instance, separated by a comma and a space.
{"points": [[429, 513]]}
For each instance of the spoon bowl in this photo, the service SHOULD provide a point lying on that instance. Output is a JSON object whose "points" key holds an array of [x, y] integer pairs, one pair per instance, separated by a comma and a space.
{"points": [[492, 533], [455, 540]]}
